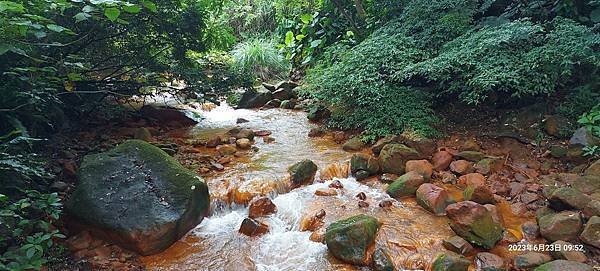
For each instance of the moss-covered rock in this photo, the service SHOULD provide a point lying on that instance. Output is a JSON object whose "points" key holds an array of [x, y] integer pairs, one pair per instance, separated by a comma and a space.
{"points": [[450, 262], [393, 157], [473, 156], [591, 232], [138, 196], [565, 225], [406, 185], [349, 239], [302, 172], [475, 223], [382, 261]]}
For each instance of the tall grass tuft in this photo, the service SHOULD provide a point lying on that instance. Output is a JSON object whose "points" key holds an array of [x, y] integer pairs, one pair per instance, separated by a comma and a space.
{"points": [[260, 59]]}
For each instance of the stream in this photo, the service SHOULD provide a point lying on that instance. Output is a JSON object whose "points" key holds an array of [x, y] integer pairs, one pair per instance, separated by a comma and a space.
{"points": [[411, 235]]}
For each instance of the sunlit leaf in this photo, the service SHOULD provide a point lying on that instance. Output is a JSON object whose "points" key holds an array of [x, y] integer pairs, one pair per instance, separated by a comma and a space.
{"points": [[149, 5], [131, 9], [289, 38], [306, 18]]}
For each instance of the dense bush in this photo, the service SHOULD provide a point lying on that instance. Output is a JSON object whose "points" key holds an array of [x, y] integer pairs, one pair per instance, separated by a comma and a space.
{"points": [[260, 59], [437, 50]]}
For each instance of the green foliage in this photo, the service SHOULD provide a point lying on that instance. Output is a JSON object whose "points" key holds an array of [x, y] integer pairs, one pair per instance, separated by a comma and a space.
{"points": [[27, 234], [591, 120], [213, 73], [517, 59], [580, 100], [250, 19], [260, 59]]}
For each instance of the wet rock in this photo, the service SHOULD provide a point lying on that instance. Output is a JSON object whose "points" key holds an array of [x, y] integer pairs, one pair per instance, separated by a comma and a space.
{"points": [[243, 143], [441, 160], [313, 222], [302, 172], [480, 194], [472, 156], [531, 230], [227, 149], [363, 162], [361, 175], [339, 137], [475, 223], [462, 167], [353, 144], [316, 132], [167, 116], [318, 235], [262, 206], [241, 120], [269, 87], [422, 167], [470, 145], [251, 227], [530, 260], [336, 184], [289, 85], [393, 158], [361, 196], [433, 198], [591, 232], [566, 198], [565, 225], [592, 208], [326, 192], [458, 245], [406, 185], [268, 139], [142, 133], [593, 169], [488, 165], [562, 265], [564, 251], [150, 221], [254, 98], [450, 262], [486, 261], [382, 261], [349, 239], [318, 113], [583, 137], [214, 141]]}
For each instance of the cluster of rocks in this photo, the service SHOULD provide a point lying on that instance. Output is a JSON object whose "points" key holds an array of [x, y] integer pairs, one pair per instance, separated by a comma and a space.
{"points": [[280, 95], [572, 215]]}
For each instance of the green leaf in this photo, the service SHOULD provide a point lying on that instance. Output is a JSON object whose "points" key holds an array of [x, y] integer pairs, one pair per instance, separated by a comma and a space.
{"points": [[132, 9], [289, 38], [3, 49], [81, 16], [306, 18], [30, 252], [300, 37], [112, 13], [56, 28], [149, 5], [40, 34], [595, 15], [11, 7], [315, 43]]}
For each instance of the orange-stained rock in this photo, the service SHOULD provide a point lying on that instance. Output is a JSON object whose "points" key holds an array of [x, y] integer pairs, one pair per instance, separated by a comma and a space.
{"points": [[472, 179], [251, 227], [262, 206], [313, 221], [422, 167], [335, 170], [326, 192]]}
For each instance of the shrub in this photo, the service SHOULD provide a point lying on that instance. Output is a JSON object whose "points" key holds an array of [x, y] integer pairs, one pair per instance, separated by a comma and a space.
{"points": [[258, 58]]}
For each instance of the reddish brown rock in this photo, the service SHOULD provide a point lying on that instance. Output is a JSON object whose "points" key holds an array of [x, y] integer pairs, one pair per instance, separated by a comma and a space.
{"points": [[262, 206], [386, 203], [214, 141], [361, 196], [458, 245], [422, 167], [251, 227], [441, 160], [472, 179], [326, 192], [433, 198], [336, 184], [243, 143], [313, 221], [363, 204], [462, 167], [262, 133], [489, 261], [475, 223]]}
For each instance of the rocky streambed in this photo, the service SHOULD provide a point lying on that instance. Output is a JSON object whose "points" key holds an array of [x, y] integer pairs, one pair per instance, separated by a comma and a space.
{"points": [[281, 200]]}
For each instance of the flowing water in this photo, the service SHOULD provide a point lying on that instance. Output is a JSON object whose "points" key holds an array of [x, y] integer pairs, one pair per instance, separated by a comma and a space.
{"points": [[411, 235]]}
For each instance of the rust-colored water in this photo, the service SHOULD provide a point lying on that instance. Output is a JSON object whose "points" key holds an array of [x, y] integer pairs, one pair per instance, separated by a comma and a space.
{"points": [[411, 235]]}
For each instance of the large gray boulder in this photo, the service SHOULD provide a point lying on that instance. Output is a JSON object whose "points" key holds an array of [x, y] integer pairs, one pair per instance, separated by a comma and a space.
{"points": [[138, 196]]}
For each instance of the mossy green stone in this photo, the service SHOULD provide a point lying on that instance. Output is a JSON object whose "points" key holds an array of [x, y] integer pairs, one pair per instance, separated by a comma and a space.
{"points": [[138, 196], [406, 185], [450, 262], [349, 239], [393, 157], [563, 265]]}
